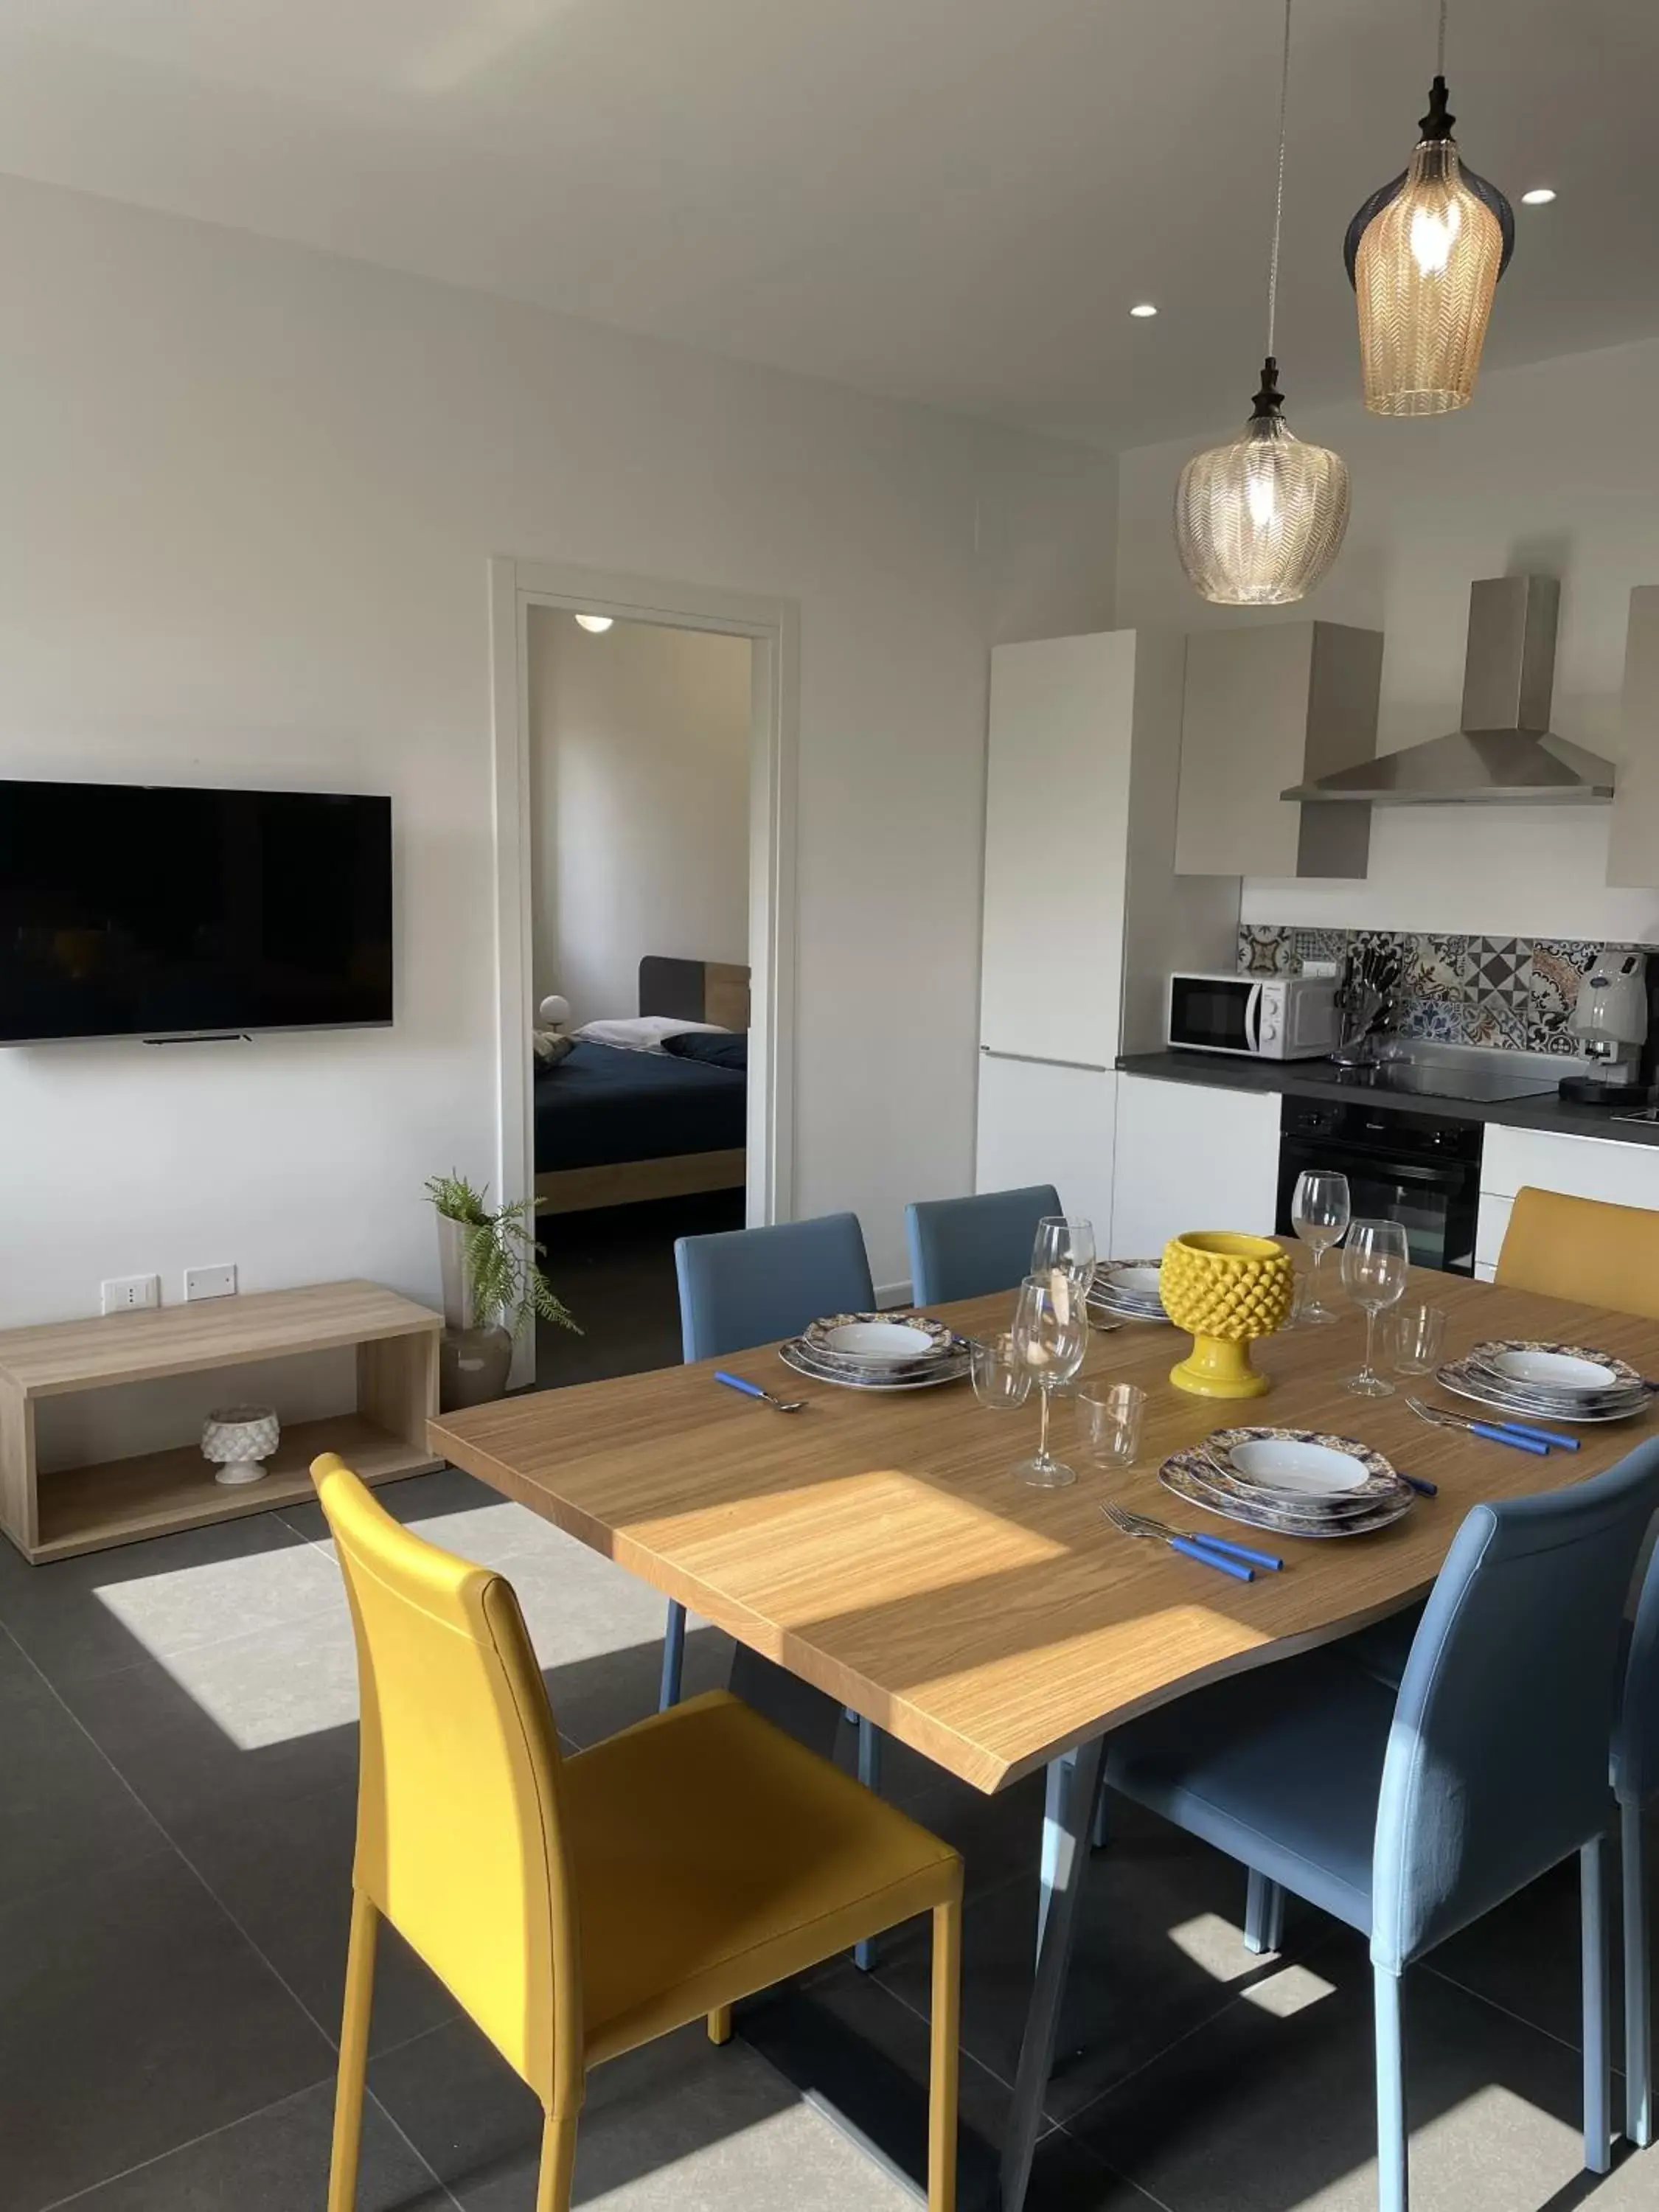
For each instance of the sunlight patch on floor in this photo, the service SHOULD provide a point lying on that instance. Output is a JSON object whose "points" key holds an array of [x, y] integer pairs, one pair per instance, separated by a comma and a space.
{"points": [[1290, 1990], [1216, 1945]]}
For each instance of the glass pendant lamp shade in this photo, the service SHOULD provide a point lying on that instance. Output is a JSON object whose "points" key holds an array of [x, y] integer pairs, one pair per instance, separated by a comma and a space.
{"points": [[1259, 522], [1424, 255]]}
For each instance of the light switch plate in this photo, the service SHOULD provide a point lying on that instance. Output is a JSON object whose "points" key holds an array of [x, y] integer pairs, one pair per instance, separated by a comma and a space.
{"points": [[128, 1293], [209, 1282]]}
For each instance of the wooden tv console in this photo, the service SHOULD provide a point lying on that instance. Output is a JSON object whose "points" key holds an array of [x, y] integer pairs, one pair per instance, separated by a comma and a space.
{"points": [[63, 1510]]}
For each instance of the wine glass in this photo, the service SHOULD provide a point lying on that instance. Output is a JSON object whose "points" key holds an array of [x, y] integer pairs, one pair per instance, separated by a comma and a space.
{"points": [[1319, 1214], [1050, 1335], [1066, 1241], [1374, 1276]]}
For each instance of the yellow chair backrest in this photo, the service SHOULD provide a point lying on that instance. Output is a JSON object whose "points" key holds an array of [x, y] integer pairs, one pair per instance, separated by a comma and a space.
{"points": [[1583, 1248], [457, 1813]]}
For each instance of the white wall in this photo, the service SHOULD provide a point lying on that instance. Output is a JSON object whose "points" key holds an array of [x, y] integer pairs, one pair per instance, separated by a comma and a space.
{"points": [[639, 798], [1553, 468], [250, 494]]}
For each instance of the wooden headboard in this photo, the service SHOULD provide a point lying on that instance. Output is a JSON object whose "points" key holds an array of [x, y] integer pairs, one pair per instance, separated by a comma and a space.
{"points": [[696, 990]]}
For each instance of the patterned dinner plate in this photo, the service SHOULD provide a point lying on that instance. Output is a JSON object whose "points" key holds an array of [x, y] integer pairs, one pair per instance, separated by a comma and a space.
{"points": [[1177, 1476], [1305, 1467], [1556, 1371], [852, 1375], [878, 1339], [1464, 1380], [1294, 1512]]}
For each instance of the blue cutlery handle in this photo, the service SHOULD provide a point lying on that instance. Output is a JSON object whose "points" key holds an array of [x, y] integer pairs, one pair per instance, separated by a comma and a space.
{"points": [[737, 1382], [1194, 1550], [1421, 1485], [1550, 1436], [1237, 1551], [1536, 1445]]}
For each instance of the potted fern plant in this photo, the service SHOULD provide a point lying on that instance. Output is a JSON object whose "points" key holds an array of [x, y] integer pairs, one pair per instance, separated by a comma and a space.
{"points": [[493, 1284]]}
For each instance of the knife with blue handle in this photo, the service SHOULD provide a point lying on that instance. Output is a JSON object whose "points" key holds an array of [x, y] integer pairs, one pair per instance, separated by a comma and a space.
{"points": [[1512, 1437], [1264, 1560], [1523, 1429], [1207, 1558]]}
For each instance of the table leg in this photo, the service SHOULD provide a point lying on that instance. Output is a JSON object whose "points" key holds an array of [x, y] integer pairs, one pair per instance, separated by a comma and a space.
{"points": [[1070, 1856], [864, 1954], [1056, 1793]]}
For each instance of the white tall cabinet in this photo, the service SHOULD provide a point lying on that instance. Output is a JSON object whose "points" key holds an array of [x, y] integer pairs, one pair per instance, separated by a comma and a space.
{"points": [[1085, 916]]}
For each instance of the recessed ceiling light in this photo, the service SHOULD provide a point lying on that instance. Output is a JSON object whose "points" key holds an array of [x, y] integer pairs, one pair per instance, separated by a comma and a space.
{"points": [[1145, 309], [1540, 195], [596, 623]]}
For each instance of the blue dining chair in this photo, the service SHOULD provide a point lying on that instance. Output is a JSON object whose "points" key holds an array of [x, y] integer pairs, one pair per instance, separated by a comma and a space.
{"points": [[1408, 1817], [963, 1247], [1635, 1775], [1382, 1652], [746, 1286], [741, 1287]]}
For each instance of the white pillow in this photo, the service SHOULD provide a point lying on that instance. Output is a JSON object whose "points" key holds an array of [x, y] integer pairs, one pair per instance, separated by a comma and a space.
{"points": [[638, 1032]]}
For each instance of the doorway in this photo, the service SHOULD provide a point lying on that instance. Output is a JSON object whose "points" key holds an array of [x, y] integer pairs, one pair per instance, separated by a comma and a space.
{"points": [[601, 904]]}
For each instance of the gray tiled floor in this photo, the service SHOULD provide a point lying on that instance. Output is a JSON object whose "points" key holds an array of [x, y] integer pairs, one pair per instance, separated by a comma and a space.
{"points": [[178, 1725]]}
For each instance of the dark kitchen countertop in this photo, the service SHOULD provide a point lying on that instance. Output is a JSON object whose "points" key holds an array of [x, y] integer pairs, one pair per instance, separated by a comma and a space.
{"points": [[1316, 1079]]}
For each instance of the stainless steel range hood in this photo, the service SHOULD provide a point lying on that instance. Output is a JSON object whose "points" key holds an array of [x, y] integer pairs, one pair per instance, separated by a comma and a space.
{"points": [[1505, 752]]}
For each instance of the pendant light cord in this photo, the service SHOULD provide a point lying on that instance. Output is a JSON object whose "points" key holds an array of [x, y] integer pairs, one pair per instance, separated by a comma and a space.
{"points": [[1279, 194], [1440, 65]]}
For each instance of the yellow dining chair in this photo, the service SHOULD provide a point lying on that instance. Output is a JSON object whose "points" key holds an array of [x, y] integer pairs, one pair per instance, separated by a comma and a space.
{"points": [[1583, 1248], [577, 1907]]}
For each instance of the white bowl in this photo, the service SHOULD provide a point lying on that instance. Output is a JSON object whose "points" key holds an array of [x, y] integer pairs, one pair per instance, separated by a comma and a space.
{"points": [[1133, 1282], [1303, 1470], [880, 1340], [1557, 1371]]}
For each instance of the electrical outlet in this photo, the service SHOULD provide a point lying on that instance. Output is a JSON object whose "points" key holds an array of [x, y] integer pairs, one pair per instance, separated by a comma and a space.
{"points": [[1319, 968], [126, 1293], [209, 1282]]}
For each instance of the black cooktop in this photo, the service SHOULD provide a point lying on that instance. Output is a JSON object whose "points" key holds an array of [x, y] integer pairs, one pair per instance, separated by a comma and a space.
{"points": [[1439, 1080]]}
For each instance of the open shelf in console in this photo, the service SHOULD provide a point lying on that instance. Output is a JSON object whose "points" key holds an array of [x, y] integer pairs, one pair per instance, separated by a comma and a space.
{"points": [[117, 1500]]}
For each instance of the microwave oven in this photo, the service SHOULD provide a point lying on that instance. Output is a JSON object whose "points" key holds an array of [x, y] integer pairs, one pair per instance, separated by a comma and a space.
{"points": [[1264, 1017]]}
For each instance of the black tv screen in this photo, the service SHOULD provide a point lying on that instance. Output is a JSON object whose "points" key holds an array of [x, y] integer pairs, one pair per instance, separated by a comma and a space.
{"points": [[140, 910]]}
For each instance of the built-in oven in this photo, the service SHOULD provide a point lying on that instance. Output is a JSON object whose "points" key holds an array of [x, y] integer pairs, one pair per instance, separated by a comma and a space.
{"points": [[1422, 1170]]}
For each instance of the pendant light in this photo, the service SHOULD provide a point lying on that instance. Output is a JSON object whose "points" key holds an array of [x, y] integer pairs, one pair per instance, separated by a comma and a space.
{"points": [[1258, 522], [1424, 255]]}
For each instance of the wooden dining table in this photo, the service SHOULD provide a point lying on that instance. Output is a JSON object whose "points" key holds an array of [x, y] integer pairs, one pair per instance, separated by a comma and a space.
{"points": [[877, 1547]]}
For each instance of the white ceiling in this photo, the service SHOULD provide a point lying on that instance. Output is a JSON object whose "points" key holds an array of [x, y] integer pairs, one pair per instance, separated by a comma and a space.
{"points": [[955, 201]]}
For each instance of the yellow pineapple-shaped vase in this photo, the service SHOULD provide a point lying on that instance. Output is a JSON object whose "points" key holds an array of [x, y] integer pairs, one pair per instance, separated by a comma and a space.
{"points": [[1224, 1289]]}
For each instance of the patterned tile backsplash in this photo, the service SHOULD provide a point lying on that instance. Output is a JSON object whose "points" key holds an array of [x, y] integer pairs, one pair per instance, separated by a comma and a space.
{"points": [[1515, 992]]}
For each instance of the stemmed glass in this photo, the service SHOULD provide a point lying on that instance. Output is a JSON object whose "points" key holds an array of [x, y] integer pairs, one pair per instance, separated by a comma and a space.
{"points": [[1050, 1335], [1319, 1213], [1066, 1241], [1374, 1276]]}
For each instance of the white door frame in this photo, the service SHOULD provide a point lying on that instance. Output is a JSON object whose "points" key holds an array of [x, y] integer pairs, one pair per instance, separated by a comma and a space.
{"points": [[773, 626]]}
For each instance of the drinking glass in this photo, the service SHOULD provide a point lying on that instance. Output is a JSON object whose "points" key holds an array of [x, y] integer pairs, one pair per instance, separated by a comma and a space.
{"points": [[1374, 1276], [1066, 1241], [1001, 1380], [1108, 1417], [1050, 1334], [1319, 1214], [1413, 1337]]}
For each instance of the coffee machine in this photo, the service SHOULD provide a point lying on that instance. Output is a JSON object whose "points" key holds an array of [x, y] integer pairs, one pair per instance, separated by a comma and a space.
{"points": [[1611, 1019]]}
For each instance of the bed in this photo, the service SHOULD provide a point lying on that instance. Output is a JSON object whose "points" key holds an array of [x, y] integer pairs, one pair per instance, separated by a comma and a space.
{"points": [[613, 1127]]}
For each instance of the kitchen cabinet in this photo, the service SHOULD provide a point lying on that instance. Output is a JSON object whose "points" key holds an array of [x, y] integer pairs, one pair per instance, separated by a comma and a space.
{"points": [[1191, 1157], [1633, 830], [1267, 707], [1083, 914], [1548, 1159], [1039, 1122]]}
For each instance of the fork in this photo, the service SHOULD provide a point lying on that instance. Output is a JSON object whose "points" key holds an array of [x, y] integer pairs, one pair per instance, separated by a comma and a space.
{"points": [[1147, 1525], [1126, 1525], [753, 1390], [1519, 1440]]}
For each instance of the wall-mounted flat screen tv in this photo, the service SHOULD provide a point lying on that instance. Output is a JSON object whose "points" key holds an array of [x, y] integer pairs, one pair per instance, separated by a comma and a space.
{"points": [[148, 911]]}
